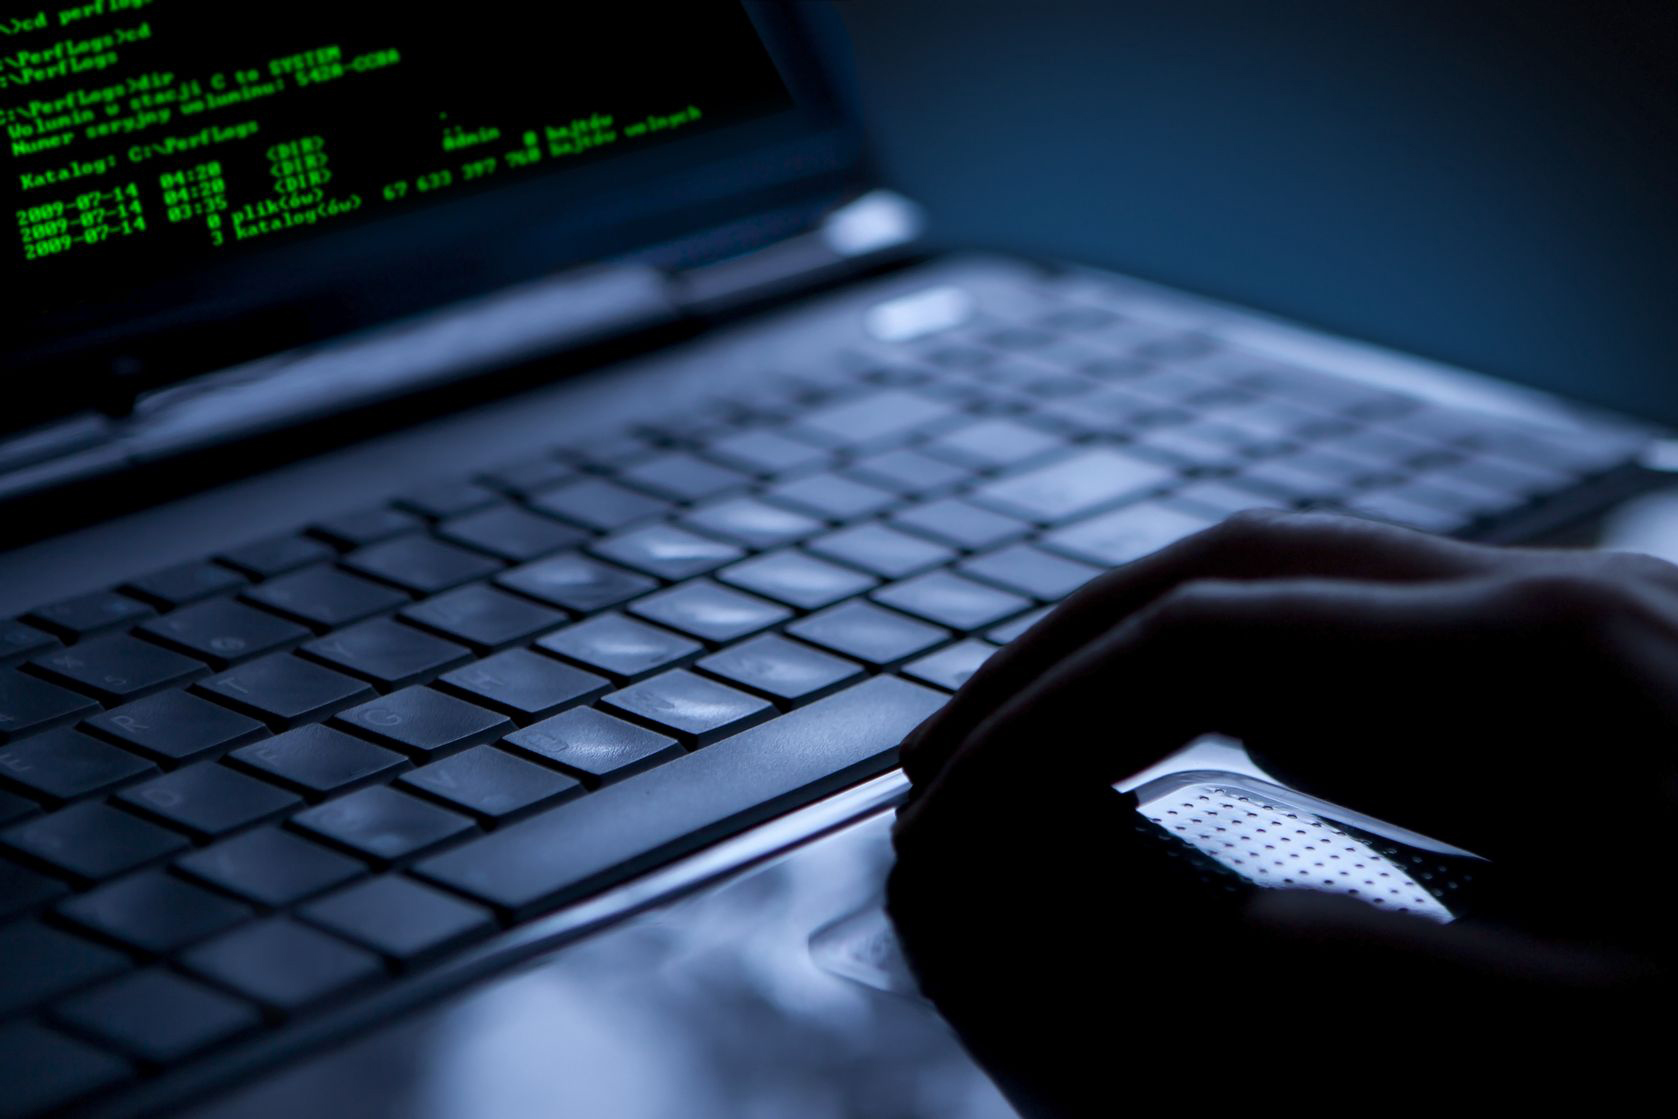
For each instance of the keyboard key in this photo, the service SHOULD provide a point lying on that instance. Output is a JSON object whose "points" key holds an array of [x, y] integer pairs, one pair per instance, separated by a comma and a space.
{"points": [[951, 667], [752, 523], [1397, 508], [381, 824], [881, 550], [1122, 535], [679, 476], [490, 783], [173, 727], [88, 614], [118, 668], [576, 583], [270, 867], [1217, 499], [207, 800], [224, 632], [611, 450], [1010, 631], [696, 710], [1030, 571], [22, 890], [43, 962], [93, 841], [28, 705], [993, 443], [18, 641], [526, 685], [153, 912], [767, 453], [14, 808], [420, 565], [284, 690], [709, 612], [366, 526], [157, 1016], [667, 552], [483, 617], [318, 761], [388, 653], [597, 504], [64, 764], [283, 965], [594, 746], [421, 722], [620, 647], [1071, 486], [704, 796], [960, 524], [832, 496], [876, 418], [1503, 476], [277, 555], [43, 1069], [185, 584], [400, 918], [326, 598], [797, 579], [867, 633], [782, 670], [511, 534], [950, 600], [528, 476], [442, 500], [908, 472]]}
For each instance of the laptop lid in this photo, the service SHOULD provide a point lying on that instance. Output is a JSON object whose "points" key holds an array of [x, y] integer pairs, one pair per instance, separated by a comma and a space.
{"points": [[190, 185]]}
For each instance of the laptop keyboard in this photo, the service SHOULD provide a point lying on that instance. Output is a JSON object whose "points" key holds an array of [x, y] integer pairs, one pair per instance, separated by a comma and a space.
{"points": [[239, 791]]}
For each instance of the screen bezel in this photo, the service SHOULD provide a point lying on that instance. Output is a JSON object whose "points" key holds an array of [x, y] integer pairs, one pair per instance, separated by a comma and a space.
{"points": [[103, 354]]}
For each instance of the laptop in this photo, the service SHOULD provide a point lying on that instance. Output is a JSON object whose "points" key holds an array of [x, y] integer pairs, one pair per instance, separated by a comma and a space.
{"points": [[484, 495]]}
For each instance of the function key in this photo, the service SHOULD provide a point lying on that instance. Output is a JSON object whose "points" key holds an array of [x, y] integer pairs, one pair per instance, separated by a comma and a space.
{"points": [[224, 632], [594, 746], [28, 705], [173, 727], [185, 583], [447, 499], [64, 764], [277, 555], [118, 668], [85, 615]]}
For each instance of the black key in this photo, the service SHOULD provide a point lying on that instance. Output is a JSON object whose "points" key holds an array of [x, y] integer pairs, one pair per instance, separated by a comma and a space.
{"points": [[207, 800], [526, 685], [326, 598], [1069, 486], [18, 641], [42, 963], [511, 534], [173, 727], [952, 666], [317, 760], [621, 647], [961, 524], [950, 600], [224, 632], [400, 918], [694, 709], [752, 523], [64, 764], [88, 614], [421, 722], [28, 705], [184, 584], [22, 890], [594, 746], [283, 965], [276, 556], [867, 633], [781, 669], [576, 582], [710, 612], [1030, 571], [832, 496], [876, 418], [441, 500], [483, 617], [388, 653], [884, 551], [667, 552], [528, 476], [1009, 631], [285, 690], [270, 867], [153, 912], [366, 526], [600, 505], [157, 1016], [14, 808], [993, 443], [421, 565], [766, 452], [908, 472], [118, 668], [93, 841], [43, 1069], [797, 579], [381, 824], [679, 476], [1110, 539], [490, 783], [702, 797]]}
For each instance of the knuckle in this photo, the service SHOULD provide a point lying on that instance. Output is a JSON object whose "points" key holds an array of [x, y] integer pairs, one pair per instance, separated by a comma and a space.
{"points": [[1579, 597]]}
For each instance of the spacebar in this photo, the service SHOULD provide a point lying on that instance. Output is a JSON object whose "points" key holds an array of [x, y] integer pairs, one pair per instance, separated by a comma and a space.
{"points": [[581, 846]]}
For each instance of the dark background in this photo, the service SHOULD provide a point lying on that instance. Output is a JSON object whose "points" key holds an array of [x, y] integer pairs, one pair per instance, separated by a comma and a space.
{"points": [[1486, 182]]}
